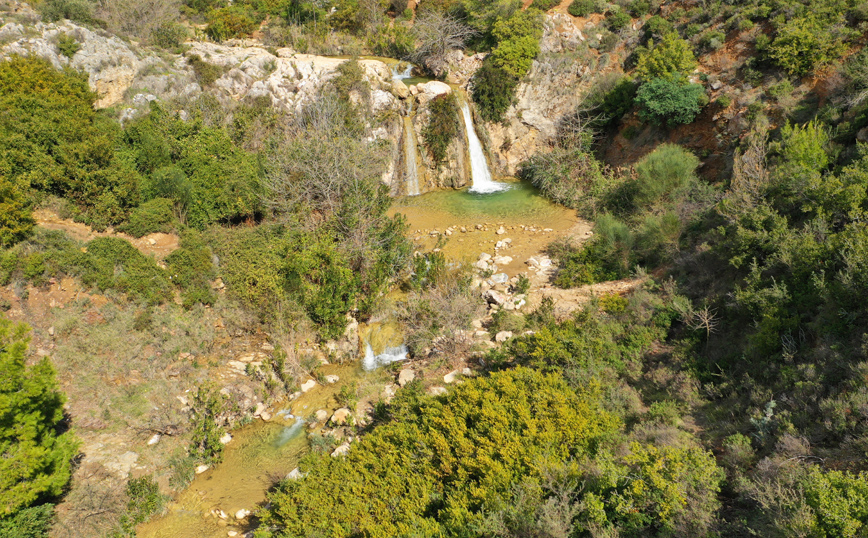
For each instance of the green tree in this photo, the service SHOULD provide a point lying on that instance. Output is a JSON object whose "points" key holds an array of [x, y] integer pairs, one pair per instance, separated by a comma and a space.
{"points": [[670, 102], [671, 57], [37, 459]]}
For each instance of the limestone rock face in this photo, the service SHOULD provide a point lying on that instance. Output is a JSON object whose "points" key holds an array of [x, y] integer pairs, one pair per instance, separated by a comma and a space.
{"points": [[109, 62], [551, 90]]}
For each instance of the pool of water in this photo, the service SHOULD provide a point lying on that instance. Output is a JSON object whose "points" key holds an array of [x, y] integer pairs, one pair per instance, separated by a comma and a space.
{"points": [[521, 210]]}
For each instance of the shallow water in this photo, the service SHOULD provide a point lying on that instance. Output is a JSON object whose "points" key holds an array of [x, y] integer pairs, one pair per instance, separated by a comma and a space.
{"points": [[258, 455], [520, 205]]}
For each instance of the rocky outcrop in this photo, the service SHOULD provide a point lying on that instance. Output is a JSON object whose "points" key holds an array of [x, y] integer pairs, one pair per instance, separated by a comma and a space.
{"points": [[552, 89]]}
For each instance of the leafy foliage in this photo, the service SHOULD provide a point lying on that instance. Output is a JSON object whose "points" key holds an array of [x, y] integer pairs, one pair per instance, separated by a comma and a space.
{"points": [[37, 458], [442, 127], [16, 220], [671, 58], [670, 102], [52, 140]]}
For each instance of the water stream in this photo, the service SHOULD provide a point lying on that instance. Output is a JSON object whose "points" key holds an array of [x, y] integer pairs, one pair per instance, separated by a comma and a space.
{"points": [[411, 171], [482, 182]]}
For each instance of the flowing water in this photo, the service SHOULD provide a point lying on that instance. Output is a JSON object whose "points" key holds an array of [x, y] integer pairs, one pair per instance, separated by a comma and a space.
{"points": [[411, 173], [258, 455], [482, 182]]}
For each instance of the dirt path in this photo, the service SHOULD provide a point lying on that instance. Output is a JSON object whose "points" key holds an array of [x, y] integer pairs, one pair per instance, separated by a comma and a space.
{"points": [[158, 245]]}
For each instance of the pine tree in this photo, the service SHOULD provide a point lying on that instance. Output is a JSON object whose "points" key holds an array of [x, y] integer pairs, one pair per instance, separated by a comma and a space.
{"points": [[35, 459]]}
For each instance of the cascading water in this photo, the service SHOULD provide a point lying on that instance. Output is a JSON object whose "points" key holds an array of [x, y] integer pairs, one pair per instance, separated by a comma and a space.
{"points": [[406, 73], [389, 355], [411, 173], [482, 182]]}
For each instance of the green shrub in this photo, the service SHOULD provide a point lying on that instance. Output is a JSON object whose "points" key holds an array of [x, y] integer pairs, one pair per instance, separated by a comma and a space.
{"points": [[803, 44], [52, 140], [67, 45], [235, 21], [80, 11], [191, 267], [207, 407], [781, 90], [206, 73], [671, 58], [16, 219], [153, 216], [617, 20], [112, 263], [639, 8], [658, 27], [463, 470], [544, 5], [144, 501], [712, 39], [442, 127], [517, 42], [169, 35], [33, 522], [665, 173], [493, 91], [670, 102], [605, 257], [583, 8], [724, 101]]}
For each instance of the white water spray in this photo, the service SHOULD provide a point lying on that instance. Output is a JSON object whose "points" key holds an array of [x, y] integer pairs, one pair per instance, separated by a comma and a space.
{"points": [[482, 182], [411, 172], [388, 356], [402, 75]]}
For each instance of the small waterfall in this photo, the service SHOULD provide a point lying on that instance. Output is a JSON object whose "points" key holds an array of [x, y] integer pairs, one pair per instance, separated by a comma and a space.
{"points": [[404, 74], [388, 356], [411, 173], [482, 182]]}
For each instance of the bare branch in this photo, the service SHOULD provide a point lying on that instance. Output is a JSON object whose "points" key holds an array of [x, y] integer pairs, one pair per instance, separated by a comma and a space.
{"points": [[436, 34]]}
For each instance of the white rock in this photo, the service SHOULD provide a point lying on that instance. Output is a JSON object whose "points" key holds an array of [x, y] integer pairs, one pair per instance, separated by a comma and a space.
{"points": [[201, 469], [503, 336], [501, 231], [231, 533], [225, 438], [484, 257], [294, 474], [437, 391], [341, 450], [340, 416], [451, 377], [503, 260], [332, 379], [405, 376], [495, 297], [307, 385], [321, 415], [500, 278], [482, 265], [241, 514], [154, 439]]}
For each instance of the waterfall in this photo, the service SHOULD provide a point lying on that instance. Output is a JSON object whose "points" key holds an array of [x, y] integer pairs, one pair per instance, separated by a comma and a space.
{"points": [[482, 182], [411, 173], [388, 356], [401, 75]]}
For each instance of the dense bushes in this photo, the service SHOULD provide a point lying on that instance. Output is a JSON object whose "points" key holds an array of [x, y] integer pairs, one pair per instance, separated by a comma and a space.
{"points": [[53, 141], [442, 127], [482, 444], [803, 44], [583, 8]]}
